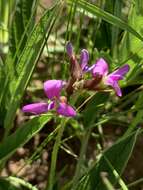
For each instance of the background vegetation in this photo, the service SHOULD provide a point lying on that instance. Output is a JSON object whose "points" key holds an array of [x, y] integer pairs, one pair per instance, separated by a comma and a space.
{"points": [[90, 151]]}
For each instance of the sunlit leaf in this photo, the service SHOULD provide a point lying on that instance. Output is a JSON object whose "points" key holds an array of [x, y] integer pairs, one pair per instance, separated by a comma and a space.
{"points": [[117, 156], [22, 135]]}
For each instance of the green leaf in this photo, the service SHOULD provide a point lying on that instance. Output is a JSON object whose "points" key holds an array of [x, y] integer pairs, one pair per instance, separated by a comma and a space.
{"points": [[27, 62], [22, 24], [114, 159], [2, 82], [138, 118], [2, 77], [94, 107], [22, 135], [14, 183], [118, 5], [96, 11], [131, 50]]}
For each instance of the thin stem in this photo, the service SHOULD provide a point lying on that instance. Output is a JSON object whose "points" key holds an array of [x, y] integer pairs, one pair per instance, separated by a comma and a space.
{"points": [[81, 158], [85, 102], [135, 182], [55, 155], [38, 151], [134, 123], [64, 66]]}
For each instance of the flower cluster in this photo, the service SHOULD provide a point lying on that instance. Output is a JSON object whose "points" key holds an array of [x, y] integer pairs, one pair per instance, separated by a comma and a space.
{"points": [[52, 89], [100, 79]]}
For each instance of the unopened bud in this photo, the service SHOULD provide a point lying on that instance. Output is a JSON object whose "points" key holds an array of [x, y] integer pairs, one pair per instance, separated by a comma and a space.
{"points": [[84, 58], [69, 49], [75, 69]]}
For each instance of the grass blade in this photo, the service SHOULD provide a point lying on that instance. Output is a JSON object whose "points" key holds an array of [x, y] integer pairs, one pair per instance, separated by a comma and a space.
{"points": [[96, 11], [93, 181], [22, 135], [27, 62]]}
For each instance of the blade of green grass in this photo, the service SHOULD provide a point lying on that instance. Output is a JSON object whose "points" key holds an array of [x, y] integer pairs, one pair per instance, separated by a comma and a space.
{"points": [[96, 11], [115, 31], [22, 135], [28, 61], [124, 147], [131, 49], [15, 183], [23, 14]]}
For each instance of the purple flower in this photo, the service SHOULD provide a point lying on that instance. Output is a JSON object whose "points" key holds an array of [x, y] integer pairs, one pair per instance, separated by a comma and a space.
{"points": [[58, 103], [53, 88], [36, 108], [66, 110], [84, 58], [101, 69]]}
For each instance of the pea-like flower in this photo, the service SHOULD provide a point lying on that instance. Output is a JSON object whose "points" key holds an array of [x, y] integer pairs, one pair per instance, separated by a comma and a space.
{"points": [[52, 89], [100, 72], [100, 68]]}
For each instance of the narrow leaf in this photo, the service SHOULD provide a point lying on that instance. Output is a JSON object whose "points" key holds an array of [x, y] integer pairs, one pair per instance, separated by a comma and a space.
{"points": [[22, 135], [96, 11], [14, 183], [93, 108], [27, 62], [118, 156], [131, 49], [22, 24]]}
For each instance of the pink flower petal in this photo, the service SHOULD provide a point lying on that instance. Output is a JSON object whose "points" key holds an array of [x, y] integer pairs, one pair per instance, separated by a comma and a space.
{"points": [[53, 88], [111, 82], [36, 108], [100, 68], [122, 70], [115, 77], [66, 110], [84, 58], [117, 89]]}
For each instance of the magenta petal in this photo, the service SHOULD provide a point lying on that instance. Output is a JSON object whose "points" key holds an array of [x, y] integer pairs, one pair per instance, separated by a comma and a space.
{"points": [[100, 68], [53, 88], [69, 49], [115, 77], [111, 82], [117, 89], [66, 110], [36, 108], [51, 105], [122, 70], [84, 58]]}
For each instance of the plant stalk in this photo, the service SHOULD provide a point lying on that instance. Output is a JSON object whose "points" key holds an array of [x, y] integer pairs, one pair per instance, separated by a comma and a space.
{"points": [[56, 147]]}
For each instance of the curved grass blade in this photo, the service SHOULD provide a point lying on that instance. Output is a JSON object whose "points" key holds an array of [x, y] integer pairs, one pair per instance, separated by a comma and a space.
{"points": [[25, 12], [15, 183], [93, 180], [131, 49], [28, 61], [22, 135], [96, 11]]}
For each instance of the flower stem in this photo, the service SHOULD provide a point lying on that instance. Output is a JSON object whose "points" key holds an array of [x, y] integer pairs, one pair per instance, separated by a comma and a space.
{"points": [[81, 157], [56, 147]]}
